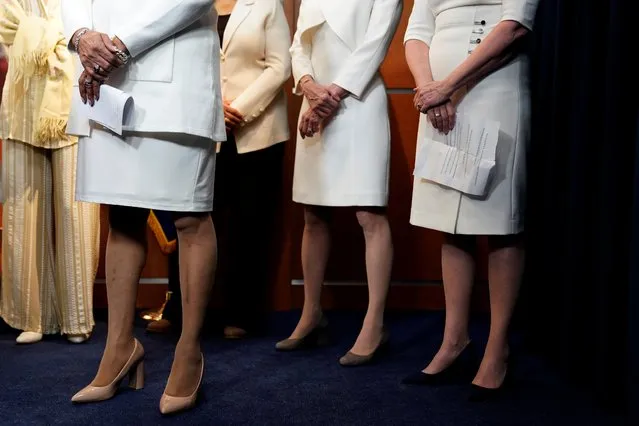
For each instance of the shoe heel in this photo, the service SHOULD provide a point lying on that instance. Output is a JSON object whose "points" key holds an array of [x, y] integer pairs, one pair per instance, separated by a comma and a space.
{"points": [[136, 376]]}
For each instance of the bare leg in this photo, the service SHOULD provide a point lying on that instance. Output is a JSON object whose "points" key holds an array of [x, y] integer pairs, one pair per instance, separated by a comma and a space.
{"points": [[458, 270], [379, 262], [505, 266], [198, 260], [125, 258], [316, 243]]}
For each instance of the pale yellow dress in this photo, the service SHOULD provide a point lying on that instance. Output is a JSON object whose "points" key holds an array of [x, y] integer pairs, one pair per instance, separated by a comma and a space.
{"points": [[50, 243]]}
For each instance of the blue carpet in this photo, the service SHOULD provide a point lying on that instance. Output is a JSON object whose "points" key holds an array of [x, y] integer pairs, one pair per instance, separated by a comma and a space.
{"points": [[247, 382]]}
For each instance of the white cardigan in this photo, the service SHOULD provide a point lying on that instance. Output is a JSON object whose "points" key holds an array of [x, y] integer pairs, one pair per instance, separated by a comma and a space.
{"points": [[255, 65], [173, 75]]}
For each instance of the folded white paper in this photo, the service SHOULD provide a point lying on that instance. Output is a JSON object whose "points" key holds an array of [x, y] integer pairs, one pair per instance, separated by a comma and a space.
{"points": [[110, 110], [463, 159]]}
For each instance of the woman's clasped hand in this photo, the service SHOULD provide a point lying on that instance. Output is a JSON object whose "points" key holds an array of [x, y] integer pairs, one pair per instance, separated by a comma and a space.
{"points": [[232, 117], [434, 100], [323, 102], [98, 54]]}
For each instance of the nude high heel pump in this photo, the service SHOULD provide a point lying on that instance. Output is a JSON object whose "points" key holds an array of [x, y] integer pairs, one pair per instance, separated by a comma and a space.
{"points": [[134, 368], [175, 404]]}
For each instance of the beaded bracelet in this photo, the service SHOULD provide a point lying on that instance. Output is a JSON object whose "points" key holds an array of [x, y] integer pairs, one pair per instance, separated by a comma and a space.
{"points": [[78, 35]]}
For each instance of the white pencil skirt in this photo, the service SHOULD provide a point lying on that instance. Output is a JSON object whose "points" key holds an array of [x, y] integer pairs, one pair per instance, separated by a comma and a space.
{"points": [[172, 172]]}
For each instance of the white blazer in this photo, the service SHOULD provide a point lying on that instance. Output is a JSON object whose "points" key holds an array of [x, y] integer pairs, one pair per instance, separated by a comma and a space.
{"points": [[255, 65], [350, 21], [173, 75]]}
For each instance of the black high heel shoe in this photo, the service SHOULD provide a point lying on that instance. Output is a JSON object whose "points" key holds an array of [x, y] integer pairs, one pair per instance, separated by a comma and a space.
{"points": [[482, 394], [461, 370]]}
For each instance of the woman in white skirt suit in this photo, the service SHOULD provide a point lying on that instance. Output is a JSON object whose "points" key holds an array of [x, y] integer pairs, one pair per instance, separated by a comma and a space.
{"points": [[466, 58], [165, 54], [343, 150]]}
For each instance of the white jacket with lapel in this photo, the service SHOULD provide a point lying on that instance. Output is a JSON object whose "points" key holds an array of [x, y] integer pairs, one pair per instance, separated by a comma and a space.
{"points": [[365, 26], [174, 72]]}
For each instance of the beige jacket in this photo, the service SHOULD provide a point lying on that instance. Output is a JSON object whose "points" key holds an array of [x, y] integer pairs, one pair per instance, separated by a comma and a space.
{"points": [[255, 64]]}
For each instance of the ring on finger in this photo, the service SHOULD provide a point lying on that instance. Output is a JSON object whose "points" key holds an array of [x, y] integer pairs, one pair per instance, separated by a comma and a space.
{"points": [[88, 82], [97, 68]]}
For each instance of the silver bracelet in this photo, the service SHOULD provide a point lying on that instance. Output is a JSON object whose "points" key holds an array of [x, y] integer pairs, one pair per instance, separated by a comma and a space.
{"points": [[78, 35]]}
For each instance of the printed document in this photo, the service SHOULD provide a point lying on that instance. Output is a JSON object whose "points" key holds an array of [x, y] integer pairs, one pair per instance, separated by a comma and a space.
{"points": [[463, 159]]}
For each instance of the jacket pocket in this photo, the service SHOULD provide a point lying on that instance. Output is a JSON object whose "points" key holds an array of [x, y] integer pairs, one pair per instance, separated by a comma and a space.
{"points": [[156, 64]]}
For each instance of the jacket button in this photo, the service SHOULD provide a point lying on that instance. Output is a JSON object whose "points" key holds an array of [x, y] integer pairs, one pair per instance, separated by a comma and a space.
{"points": [[483, 22]]}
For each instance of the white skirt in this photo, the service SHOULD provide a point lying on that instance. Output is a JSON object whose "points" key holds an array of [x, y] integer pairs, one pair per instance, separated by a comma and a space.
{"points": [[172, 172]]}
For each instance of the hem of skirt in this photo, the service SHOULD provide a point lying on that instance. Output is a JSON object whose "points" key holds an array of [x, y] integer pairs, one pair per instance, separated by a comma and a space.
{"points": [[196, 207], [150, 131], [343, 200], [435, 225]]}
